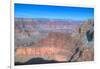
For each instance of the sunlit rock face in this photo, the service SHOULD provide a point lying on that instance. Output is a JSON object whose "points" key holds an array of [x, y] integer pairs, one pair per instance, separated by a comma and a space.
{"points": [[46, 53], [33, 41], [86, 55], [57, 46]]}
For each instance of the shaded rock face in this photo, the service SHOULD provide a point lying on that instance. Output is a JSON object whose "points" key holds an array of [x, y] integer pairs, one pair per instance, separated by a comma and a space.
{"points": [[37, 61], [51, 47], [90, 35]]}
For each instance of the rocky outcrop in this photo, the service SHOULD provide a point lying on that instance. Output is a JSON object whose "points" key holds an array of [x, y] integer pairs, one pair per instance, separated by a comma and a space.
{"points": [[86, 55], [86, 34]]}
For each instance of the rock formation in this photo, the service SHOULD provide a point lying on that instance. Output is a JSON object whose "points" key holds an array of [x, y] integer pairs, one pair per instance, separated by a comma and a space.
{"points": [[58, 46]]}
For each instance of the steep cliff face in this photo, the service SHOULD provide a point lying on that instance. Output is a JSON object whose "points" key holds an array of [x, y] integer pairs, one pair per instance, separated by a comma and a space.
{"points": [[87, 33], [87, 38]]}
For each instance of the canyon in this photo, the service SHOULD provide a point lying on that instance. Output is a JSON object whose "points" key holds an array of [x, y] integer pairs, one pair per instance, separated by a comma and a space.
{"points": [[59, 40]]}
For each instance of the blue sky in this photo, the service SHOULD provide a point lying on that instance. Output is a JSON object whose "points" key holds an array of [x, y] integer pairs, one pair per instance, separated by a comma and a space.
{"points": [[53, 12]]}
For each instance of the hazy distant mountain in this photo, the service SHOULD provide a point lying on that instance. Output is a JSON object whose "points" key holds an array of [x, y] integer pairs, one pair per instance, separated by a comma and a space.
{"points": [[43, 24]]}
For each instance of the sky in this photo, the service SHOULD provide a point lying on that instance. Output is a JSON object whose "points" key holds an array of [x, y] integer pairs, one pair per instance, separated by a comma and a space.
{"points": [[52, 12]]}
